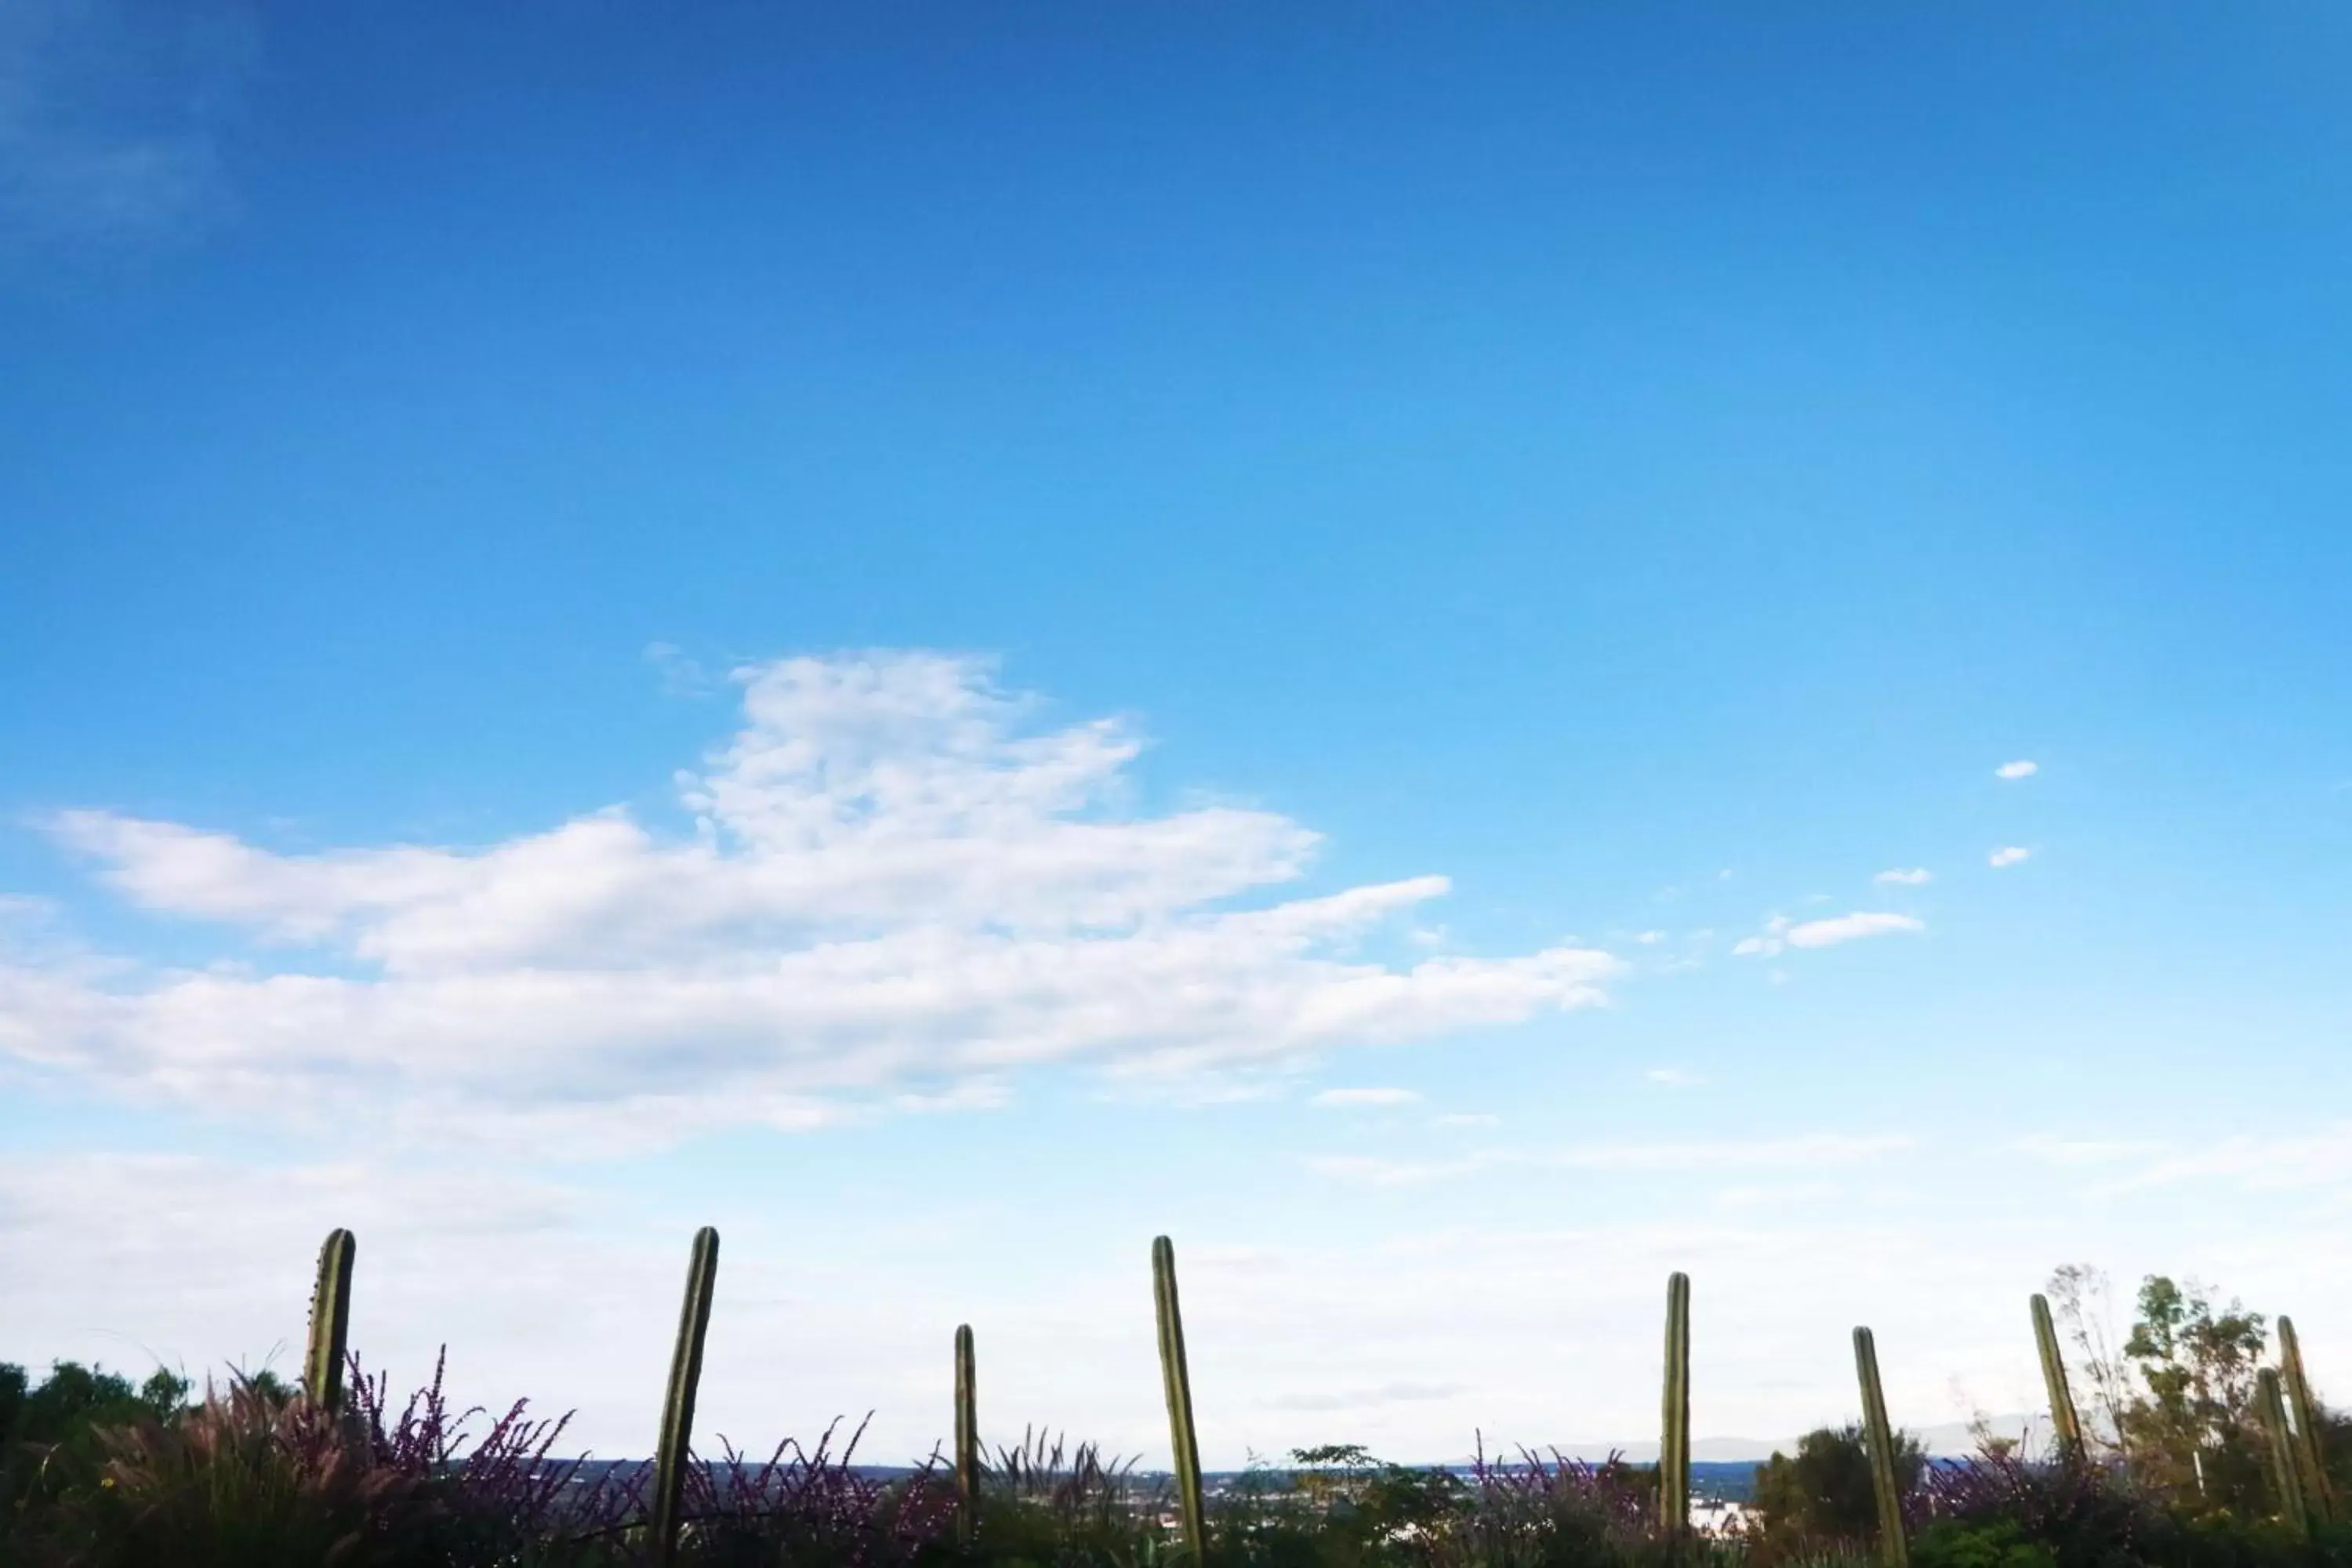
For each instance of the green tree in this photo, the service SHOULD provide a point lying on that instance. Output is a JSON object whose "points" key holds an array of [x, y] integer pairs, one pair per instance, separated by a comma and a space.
{"points": [[2191, 1429], [1823, 1492]]}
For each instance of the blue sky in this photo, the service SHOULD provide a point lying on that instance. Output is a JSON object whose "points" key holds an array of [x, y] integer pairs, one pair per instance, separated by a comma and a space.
{"points": [[951, 636]]}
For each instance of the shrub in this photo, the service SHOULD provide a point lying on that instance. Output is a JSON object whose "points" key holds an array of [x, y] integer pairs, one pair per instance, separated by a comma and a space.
{"points": [[1823, 1498]]}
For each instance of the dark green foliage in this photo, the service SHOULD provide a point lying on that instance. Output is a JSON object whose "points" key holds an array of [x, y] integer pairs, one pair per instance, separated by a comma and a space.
{"points": [[50, 1433], [2002, 1543], [1823, 1496]]}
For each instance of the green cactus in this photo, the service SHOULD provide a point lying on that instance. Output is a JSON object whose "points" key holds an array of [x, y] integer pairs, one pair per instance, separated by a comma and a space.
{"points": [[1179, 1386], [967, 1435], [2065, 1424], [2318, 1494], [1894, 1549], [670, 1458], [1674, 1434], [2284, 1480], [331, 1321]]}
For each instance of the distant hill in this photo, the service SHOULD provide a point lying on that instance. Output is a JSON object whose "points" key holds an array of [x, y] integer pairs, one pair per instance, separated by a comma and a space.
{"points": [[1951, 1440]]}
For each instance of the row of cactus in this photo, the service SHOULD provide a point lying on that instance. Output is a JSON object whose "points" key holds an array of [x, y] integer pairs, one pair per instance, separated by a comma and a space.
{"points": [[2284, 1403]]}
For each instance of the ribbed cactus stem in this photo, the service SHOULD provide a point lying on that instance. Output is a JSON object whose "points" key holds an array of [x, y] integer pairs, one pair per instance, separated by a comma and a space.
{"points": [[331, 1321], [671, 1456], [2284, 1480], [967, 1435], [1894, 1551], [1674, 1426], [2065, 1423], [2318, 1494], [1178, 1385]]}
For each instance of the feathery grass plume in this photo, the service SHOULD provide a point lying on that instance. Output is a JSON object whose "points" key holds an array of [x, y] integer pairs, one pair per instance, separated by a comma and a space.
{"points": [[814, 1506], [2284, 1462], [1178, 1383], [1674, 1436], [2318, 1494], [331, 1321], [1048, 1502], [967, 1435], [1893, 1548], [671, 1459], [2063, 1422]]}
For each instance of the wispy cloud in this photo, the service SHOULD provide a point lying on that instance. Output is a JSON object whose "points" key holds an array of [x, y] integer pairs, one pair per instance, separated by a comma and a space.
{"points": [[1366, 1398], [1779, 934], [1675, 1077], [1363, 1097], [1915, 877], [1816, 1151], [112, 114], [2012, 855], [2020, 769], [896, 885]]}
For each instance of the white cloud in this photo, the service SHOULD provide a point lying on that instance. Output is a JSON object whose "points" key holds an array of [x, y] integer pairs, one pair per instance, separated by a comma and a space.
{"points": [[1779, 933], [1851, 928], [1469, 1119], [1650, 938], [896, 884], [2020, 769], [2011, 855], [1343, 1096], [1917, 876], [1675, 1077]]}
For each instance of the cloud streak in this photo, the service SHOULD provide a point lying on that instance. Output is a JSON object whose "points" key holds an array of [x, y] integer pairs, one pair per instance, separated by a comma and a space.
{"points": [[1779, 934], [1335, 1097], [896, 884], [111, 117]]}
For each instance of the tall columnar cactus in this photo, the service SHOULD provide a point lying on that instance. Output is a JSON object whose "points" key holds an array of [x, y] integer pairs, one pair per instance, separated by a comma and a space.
{"points": [[2285, 1478], [2318, 1494], [670, 1458], [1674, 1426], [1894, 1551], [1179, 1385], [967, 1435], [2065, 1423], [331, 1321]]}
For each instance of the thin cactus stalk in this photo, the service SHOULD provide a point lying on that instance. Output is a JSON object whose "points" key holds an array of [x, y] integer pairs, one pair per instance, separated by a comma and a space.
{"points": [[331, 1321], [2065, 1423], [1894, 1551], [2285, 1478], [670, 1458], [1178, 1385], [1673, 1429], [2318, 1494], [967, 1437]]}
